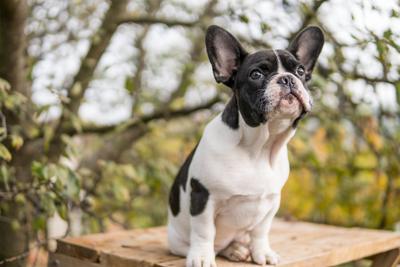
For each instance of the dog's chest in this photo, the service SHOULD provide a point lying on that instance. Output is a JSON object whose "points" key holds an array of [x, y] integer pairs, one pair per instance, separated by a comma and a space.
{"points": [[244, 212], [235, 174]]}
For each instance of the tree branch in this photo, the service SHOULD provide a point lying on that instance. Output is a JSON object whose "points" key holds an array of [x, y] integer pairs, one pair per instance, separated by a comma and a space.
{"points": [[140, 65], [100, 42], [154, 20], [125, 135], [166, 114], [76, 91], [140, 61], [357, 75]]}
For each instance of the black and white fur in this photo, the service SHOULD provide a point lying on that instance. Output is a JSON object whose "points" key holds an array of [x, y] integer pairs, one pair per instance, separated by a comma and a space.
{"points": [[228, 190]]}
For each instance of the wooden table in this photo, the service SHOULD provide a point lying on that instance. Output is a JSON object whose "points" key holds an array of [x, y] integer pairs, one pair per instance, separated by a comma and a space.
{"points": [[300, 244]]}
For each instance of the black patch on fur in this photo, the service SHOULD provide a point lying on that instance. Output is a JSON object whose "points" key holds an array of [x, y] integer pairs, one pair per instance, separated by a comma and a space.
{"points": [[180, 181], [198, 197], [248, 92], [230, 115], [289, 61]]}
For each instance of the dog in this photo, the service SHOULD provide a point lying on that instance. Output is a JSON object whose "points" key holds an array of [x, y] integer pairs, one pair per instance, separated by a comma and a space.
{"points": [[228, 190]]}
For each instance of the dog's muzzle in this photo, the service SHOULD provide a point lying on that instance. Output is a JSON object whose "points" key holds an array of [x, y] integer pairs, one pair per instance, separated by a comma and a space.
{"points": [[291, 86]]}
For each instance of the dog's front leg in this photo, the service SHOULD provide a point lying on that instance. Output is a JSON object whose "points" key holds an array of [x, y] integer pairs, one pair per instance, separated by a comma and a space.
{"points": [[202, 233], [261, 251]]}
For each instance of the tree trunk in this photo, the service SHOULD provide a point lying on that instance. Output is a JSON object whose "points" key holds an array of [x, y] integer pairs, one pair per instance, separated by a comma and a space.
{"points": [[13, 68]]}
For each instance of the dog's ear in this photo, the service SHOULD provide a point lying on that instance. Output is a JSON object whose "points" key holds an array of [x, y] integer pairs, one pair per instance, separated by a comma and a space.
{"points": [[225, 54], [306, 47]]}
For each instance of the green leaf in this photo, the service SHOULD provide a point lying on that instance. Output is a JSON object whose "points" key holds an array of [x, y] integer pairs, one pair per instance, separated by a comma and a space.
{"points": [[39, 222], [48, 133], [39, 171], [244, 18], [129, 86], [3, 133], [5, 176], [388, 34], [382, 48], [398, 92], [63, 211], [73, 186], [47, 203], [264, 27], [4, 153]]}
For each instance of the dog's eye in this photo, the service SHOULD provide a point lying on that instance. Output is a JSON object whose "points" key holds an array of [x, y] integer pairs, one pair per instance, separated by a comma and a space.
{"points": [[256, 75], [300, 71]]}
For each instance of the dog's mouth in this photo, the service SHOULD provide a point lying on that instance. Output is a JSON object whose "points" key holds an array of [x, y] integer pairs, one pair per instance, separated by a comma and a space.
{"points": [[295, 97], [290, 97], [290, 100]]}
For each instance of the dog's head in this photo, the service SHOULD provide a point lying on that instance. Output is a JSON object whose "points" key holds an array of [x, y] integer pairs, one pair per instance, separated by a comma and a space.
{"points": [[267, 84]]}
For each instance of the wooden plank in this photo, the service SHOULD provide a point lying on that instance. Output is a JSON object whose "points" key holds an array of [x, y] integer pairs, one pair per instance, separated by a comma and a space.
{"points": [[77, 251], [387, 259], [148, 252], [60, 260], [329, 248], [300, 244]]}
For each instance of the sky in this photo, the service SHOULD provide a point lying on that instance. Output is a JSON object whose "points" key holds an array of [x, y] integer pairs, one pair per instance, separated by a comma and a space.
{"points": [[107, 101]]}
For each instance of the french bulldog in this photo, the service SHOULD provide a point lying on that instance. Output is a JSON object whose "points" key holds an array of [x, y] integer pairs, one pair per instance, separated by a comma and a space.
{"points": [[228, 190]]}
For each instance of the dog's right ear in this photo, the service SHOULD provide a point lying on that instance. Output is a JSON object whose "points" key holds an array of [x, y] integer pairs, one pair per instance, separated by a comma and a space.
{"points": [[225, 54]]}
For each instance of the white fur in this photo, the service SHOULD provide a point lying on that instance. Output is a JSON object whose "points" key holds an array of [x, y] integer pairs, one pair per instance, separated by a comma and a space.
{"points": [[281, 69]]}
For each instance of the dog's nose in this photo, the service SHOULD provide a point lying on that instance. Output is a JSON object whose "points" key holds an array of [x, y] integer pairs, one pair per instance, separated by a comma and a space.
{"points": [[286, 81]]}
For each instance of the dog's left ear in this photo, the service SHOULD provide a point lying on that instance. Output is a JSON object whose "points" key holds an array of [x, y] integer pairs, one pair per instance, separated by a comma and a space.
{"points": [[306, 47]]}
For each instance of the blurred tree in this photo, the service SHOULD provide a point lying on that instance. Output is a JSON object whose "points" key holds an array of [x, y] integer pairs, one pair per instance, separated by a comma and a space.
{"points": [[68, 68]]}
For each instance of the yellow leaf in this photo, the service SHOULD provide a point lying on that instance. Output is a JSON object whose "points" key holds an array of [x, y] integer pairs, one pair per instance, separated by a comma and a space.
{"points": [[4, 85], [178, 103], [16, 141], [4, 153]]}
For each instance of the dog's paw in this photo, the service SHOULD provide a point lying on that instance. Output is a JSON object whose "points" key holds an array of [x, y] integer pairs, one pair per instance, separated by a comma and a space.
{"points": [[200, 258], [265, 256], [236, 252]]}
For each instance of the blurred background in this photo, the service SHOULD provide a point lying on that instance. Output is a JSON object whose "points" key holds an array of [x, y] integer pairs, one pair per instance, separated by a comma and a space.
{"points": [[101, 101]]}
